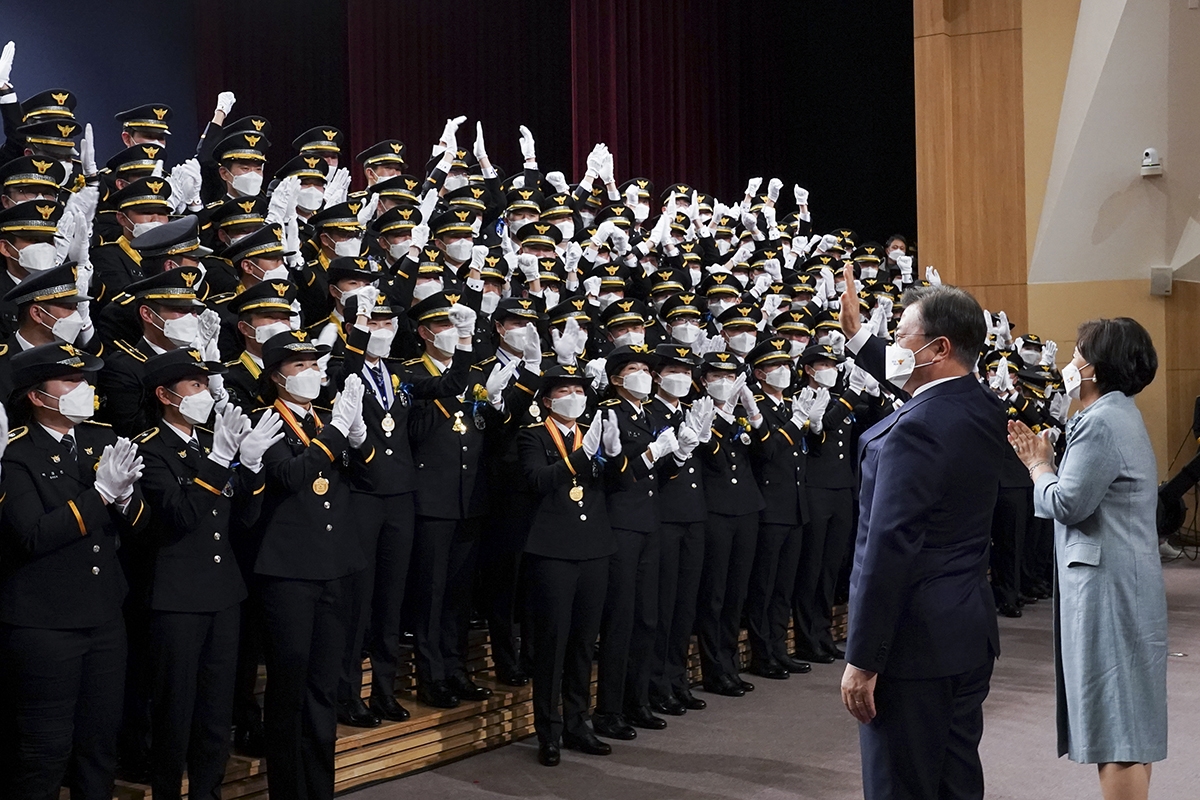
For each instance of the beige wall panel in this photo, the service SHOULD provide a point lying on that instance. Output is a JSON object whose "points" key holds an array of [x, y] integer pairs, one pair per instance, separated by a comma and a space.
{"points": [[961, 17]]}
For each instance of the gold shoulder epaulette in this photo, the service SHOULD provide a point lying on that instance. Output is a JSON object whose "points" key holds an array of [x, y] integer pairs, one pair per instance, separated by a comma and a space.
{"points": [[146, 436], [611, 402], [130, 350], [97, 424], [17, 433], [412, 362]]}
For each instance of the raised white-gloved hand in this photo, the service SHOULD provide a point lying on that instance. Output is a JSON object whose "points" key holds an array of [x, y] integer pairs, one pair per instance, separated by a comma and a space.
{"points": [[665, 443], [571, 258], [773, 187], [420, 236], [1049, 353], [266, 432], [770, 310], [802, 407], [620, 241], [905, 263], [528, 146], [594, 437], [528, 265], [858, 379], [603, 231], [230, 427], [558, 181], [594, 369], [762, 282], [479, 148], [687, 441], [478, 255], [877, 324], [595, 159], [282, 205], [816, 412], [1002, 380], [1003, 331], [64, 235], [774, 269], [746, 398], [498, 380], [801, 195], [225, 101], [752, 187], [611, 434], [119, 468], [1060, 405], [828, 284], [337, 185], [837, 340], [367, 212], [932, 276], [207, 327], [6, 62], [87, 152], [463, 320], [531, 351], [705, 412], [631, 195], [347, 408], [185, 185], [591, 286], [566, 344], [606, 168], [750, 223], [449, 137], [292, 257]]}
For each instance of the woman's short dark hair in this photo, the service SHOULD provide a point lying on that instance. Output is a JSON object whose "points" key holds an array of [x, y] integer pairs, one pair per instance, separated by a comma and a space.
{"points": [[1121, 352], [953, 313]]}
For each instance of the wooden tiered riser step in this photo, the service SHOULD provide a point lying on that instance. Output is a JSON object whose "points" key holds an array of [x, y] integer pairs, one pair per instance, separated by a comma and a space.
{"points": [[432, 736]]}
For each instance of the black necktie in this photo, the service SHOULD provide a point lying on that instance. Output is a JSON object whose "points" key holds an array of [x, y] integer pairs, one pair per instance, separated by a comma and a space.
{"points": [[68, 441], [310, 426], [194, 445]]}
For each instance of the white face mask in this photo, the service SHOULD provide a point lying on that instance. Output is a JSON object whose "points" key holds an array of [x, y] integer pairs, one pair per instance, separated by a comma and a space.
{"points": [[279, 273], [676, 384], [1073, 380], [780, 378], [304, 385], [65, 329], [78, 404], [380, 343], [869, 273], [399, 250], [724, 246], [894, 255], [516, 338], [742, 278], [446, 340], [825, 377], [426, 289], [570, 406], [550, 296], [347, 249], [630, 338], [641, 212], [142, 227], [460, 249], [720, 390], [606, 299], [685, 332], [1031, 356], [195, 408], [900, 362], [264, 332], [719, 307], [638, 384], [839, 286], [310, 198], [742, 343], [180, 331], [38, 257], [587, 217], [488, 302], [248, 184], [454, 182], [796, 348]]}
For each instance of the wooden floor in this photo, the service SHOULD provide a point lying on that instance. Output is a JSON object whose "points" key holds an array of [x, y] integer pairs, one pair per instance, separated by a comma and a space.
{"points": [[432, 736]]}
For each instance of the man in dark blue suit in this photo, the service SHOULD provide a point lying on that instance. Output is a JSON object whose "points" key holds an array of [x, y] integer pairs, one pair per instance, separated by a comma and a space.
{"points": [[922, 627]]}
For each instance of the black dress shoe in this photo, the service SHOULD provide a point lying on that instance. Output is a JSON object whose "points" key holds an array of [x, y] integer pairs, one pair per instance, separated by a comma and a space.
{"points": [[467, 689], [835, 651], [726, 686], [1008, 610], [794, 665], [1026, 599], [355, 713], [587, 743], [690, 701], [437, 694], [672, 706], [512, 677], [814, 656], [774, 672], [548, 755], [610, 726], [643, 717], [385, 706], [250, 740], [747, 686]]}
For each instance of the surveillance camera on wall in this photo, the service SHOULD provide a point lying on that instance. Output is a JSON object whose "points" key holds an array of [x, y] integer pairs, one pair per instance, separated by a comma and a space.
{"points": [[1151, 163]]}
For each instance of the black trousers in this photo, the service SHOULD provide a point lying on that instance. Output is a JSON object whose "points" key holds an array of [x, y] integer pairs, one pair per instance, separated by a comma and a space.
{"points": [[1038, 554], [305, 638], [246, 710], [680, 564], [193, 664], [1013, 510], [924, 741], [500, 579], [377, 592], [827, 535], [444, 555], [629, 622], [772, 584], [729, 545], [64, 691], [566, 601]]}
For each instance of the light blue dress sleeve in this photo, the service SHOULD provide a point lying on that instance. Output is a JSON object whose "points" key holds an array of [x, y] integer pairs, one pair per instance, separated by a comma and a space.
{"points": [[1090, 465]]}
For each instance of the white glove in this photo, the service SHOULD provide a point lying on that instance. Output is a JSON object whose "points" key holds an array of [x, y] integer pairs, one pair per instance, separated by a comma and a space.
{"points": [[761, 284], [528, 265], [752, 186], [120, 466], [606, 168], [816, 412], [620, 241], [746, 398], [591, 286], [773, 187], [282, 206], [3, 413], [1003, 331], [687, 441], [665, 443], [932, 276], [531, 352], [225, 101], [1060, 405], [366, 299], [498, 380], [802, 407], [347, 408], [801, 195], [463, 319], [558, 181], [291, 243], [1049, 352], [595, 370], [770, 310], [336, 186], [567, 344], [64, 236], [631, 195], [871, 385], [603, 231], [358, 432], [207, 328], [858, 379], [703, 412], [479, 148], [837, 340], [367, 212], [6, 62], [612, 435], [595, 159], [594, 437], [905, 263], [185, 183], [528, 147], [258, 441], [420, 236], [87, 152], [571, 257], [229, 429], [1051, 435]]}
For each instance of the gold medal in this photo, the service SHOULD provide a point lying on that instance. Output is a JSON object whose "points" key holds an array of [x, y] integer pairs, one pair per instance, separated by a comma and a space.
{"points": [[387, 423], [576, 493], [458, 426], [534, 411], [320, 485]]}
